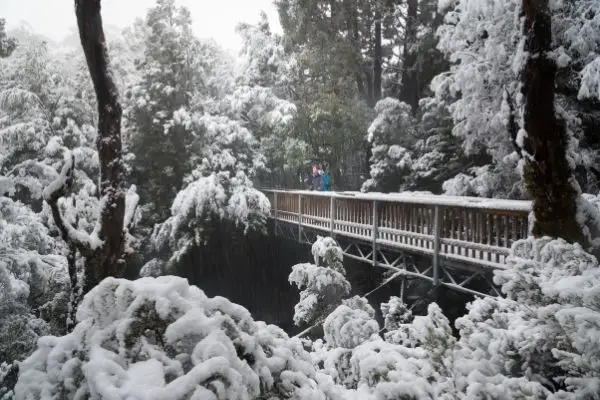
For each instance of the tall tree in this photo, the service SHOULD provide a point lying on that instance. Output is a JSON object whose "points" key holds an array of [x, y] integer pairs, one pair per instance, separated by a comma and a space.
{"points": [[7, 44], [377, 60], [104, 249], [171, 75], [482, 40], [547, 173], [410, 84], [334, 77]]}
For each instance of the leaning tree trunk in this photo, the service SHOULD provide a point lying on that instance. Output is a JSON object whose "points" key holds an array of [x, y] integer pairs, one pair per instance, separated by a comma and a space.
{"points": [[103, 250], [108, 259], [547, 174]]}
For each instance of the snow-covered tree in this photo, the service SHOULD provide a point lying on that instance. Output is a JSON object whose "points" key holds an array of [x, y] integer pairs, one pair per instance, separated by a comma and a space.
{"points": [[548, 171], [219, 189], [322, 285], [209, 119], [484, 42], [7, 43], [170, 74], [392, 135], [105, 248], [259, 100], [395, 313], [34, 284]]}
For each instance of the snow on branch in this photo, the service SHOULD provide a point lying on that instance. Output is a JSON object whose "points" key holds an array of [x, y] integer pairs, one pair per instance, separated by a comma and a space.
{"points": [[62, 184], [131, 203], [61, 187]]}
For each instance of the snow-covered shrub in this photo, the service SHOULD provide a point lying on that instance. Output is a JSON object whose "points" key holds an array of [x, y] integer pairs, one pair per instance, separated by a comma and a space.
{"points": [[164, 339], [588, 216], [19, 328], [433, 334], [350, 324], [212, 198], [369, 367], [152, 268], [376, 370], [322, 287], [541, 341], [385, 370]]}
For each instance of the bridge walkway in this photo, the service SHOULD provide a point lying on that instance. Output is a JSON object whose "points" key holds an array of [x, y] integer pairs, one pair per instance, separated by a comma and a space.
{"points": [[472, 235]]}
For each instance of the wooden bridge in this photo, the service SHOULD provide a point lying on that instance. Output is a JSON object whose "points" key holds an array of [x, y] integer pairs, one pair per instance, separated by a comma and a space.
{"points": [[472, 235]]}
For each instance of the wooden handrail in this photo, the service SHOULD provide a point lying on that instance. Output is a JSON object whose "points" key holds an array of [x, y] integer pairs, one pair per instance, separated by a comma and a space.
{"points": [[508, 206], [464, 229]]}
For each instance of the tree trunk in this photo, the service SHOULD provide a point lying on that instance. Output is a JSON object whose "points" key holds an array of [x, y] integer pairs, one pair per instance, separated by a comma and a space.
{"points": [[377, 61], [103, 250], [409, 92], [353, 33], [108, 261], [547, 173]]}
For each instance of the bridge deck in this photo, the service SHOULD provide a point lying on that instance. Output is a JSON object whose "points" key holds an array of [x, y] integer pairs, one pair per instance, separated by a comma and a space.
{"points": [[470, 230]]}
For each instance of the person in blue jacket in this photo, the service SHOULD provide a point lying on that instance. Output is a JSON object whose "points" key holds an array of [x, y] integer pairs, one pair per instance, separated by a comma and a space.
{"points": [[326, 182]]}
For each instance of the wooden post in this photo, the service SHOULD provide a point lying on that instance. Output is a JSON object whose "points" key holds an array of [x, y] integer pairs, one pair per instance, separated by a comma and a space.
{"points": [[300, 218], [437, 225], [331, 215], [375, 224], [275, 211]]}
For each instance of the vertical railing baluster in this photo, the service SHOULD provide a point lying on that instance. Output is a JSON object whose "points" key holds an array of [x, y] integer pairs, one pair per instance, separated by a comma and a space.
{"points": [[436, 245], [506, 231], [331, 215], [488, 239], [375, 224], [452, 229], [275, 211], [300, 218]]}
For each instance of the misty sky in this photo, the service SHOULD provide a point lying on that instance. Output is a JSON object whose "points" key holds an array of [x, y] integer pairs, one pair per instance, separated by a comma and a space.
{"points": [[212, 18]]}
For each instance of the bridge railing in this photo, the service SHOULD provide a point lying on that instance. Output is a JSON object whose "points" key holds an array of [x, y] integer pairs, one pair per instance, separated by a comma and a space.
{"points": [[463, 229]]}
